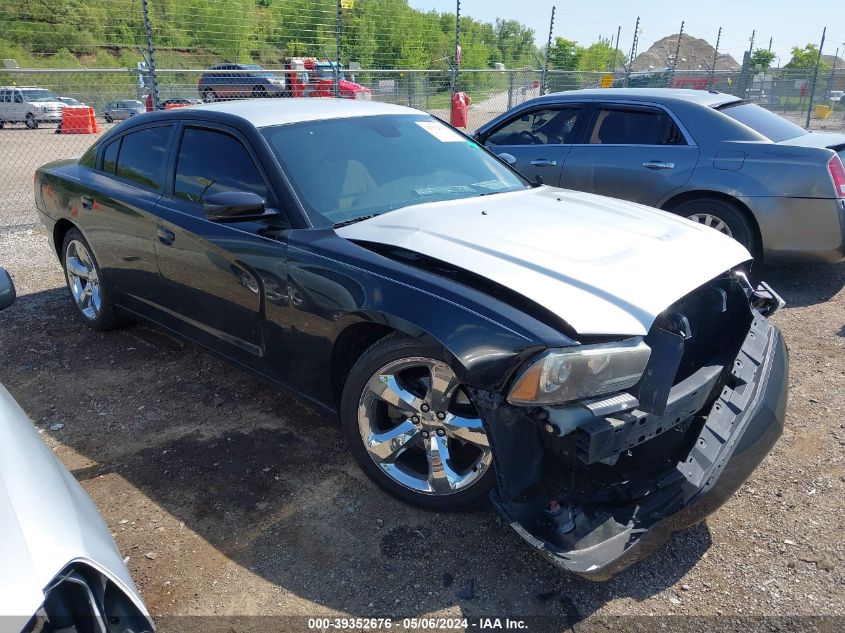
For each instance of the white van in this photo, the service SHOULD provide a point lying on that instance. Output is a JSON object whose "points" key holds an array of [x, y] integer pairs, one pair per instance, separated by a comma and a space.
{"points": [[29, 104]]}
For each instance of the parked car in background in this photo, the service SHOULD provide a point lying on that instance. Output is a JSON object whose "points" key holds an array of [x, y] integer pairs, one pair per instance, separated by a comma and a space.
{"points": [[120, 110], [378, 263], [240, 81], [61, 570], [70, 102], [710, 157], [756, 94], [837, 96], [177, 103], [30, 105]]}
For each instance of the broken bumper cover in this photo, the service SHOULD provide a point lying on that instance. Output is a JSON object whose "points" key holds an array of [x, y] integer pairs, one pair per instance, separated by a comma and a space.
{"points": [[744, 423]]}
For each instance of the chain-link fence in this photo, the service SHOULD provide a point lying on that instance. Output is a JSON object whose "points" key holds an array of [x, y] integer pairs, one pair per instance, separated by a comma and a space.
{"points": [[124, 57]]}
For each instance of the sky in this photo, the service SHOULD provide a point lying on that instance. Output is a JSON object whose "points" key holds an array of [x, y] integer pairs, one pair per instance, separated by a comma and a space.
{"points": [[787, 22]]}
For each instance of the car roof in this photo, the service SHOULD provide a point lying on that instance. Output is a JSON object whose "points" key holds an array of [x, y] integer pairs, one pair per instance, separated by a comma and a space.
{"points": [[266, 112], [709, 98]]}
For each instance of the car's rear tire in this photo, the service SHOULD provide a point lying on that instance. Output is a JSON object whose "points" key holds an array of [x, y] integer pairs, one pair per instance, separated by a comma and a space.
{"points": [[91, 296], [108, 118], [412, 429], [723, 216], [2, 124], [30, 121]]}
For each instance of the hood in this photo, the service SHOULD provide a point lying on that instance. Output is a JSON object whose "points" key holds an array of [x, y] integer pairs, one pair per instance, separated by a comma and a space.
{"points": [[819, 140], [605, 266], [46, 520], [351, 86]]}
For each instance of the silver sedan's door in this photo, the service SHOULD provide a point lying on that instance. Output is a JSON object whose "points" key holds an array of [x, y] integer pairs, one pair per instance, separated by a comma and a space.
{"points": [[632, 152], [539, 139]]}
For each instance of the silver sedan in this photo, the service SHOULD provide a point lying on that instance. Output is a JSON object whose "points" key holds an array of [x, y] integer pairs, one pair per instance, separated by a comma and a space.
{"points": [[713, 158], [61, 570]]}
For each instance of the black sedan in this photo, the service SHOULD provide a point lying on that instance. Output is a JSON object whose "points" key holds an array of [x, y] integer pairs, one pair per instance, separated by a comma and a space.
{"points": [[603, 371]]}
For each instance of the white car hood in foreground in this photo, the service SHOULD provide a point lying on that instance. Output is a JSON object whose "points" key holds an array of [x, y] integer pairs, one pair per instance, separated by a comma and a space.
{"points": [[605, 266], [46, 521]]}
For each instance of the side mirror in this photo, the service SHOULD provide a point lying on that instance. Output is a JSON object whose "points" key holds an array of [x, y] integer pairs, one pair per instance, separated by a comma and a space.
{"points": [[234, 206], [510, 159], [7, 289]]}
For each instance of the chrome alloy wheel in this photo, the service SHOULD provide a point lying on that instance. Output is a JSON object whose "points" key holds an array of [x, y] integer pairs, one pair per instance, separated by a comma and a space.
{"points": [[712, 221], [420, 428], [82, 279]]}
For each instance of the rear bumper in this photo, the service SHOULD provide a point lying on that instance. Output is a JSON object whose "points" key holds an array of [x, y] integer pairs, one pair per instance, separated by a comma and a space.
{"points": [[743, 425], [800, 229]]}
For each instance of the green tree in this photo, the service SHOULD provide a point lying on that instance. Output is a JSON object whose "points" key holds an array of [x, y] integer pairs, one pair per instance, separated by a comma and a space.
{"points": [[565, 54], [762, 57], [805, 58], [600, 56]]}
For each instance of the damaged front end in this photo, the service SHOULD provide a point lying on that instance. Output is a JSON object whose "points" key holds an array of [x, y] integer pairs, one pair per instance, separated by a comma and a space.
{"points": [[599, 483]]}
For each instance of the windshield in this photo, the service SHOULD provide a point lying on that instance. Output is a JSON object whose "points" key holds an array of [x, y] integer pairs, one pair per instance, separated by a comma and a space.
{"points": [[326, 71], [762, 121], [38, 95], [352, 168]]}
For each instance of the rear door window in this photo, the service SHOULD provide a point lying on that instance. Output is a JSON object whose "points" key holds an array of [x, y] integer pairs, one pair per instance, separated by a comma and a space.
{"points": [[142, 156], [110, 156], [212, 161], [634, 126]]}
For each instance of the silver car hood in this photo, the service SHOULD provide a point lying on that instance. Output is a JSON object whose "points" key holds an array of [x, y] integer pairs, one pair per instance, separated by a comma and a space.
{"points": [[605, 266], [46, 521]]}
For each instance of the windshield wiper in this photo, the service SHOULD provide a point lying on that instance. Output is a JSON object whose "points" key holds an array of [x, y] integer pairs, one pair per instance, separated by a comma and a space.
{"points": [[337, 225]]}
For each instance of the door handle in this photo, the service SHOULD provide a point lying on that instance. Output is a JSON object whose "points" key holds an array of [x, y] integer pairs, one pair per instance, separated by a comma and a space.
{"points": [[543, 162], [87, 202], [165, 236], [658, 164]]}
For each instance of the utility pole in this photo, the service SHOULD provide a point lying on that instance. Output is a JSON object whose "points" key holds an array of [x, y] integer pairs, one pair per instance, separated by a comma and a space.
{"points": [[812, 91], [337, 31], [548, 48], [615, 49], [747, 66], [832, 73], [715, 57], [770, 44], [457, 57], [148, 31], [677, 53], [633, 51]]}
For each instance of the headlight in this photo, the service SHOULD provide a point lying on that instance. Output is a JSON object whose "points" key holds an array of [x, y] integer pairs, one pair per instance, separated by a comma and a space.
{"points": [[588, 370]]}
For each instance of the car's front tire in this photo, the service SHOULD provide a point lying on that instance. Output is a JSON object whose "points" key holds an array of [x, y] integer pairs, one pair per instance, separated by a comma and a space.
{"points": [[91, 296], [30, 121], [722, 216], [410, 425], [108, 118]]}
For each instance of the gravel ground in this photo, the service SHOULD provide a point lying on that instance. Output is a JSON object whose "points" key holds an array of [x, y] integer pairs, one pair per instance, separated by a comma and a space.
{"points": [[231, 498]]}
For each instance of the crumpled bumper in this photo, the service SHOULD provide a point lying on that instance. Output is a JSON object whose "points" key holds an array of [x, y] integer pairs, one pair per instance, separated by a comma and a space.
{"points": [[744, 423]]}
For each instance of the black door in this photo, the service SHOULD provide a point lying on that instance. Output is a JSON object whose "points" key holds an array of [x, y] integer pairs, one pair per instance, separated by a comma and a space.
{"points": [[217, 274], [540, 139], [115, 212]]}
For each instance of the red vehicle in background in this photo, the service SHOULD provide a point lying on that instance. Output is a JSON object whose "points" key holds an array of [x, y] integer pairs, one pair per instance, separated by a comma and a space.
{"points": [[309, 77]]}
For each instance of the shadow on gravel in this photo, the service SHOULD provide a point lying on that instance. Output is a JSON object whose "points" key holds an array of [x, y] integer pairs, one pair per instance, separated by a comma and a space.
{"points": [[268, 483], [804, 285]]}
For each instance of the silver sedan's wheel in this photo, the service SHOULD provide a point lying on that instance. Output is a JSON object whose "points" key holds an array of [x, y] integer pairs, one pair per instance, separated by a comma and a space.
{"points": [[82, 279], [420, 429], [714, 222]]}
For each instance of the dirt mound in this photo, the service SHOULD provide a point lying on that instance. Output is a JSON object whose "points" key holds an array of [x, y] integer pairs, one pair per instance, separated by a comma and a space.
{"points": [[695, 54]]}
